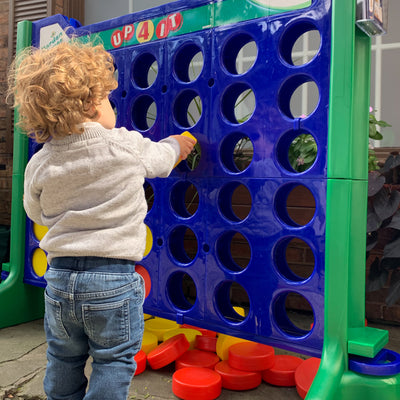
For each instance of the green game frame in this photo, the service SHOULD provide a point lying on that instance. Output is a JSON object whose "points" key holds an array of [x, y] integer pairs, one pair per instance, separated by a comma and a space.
{"points": [[346, 213], [19, 302]]}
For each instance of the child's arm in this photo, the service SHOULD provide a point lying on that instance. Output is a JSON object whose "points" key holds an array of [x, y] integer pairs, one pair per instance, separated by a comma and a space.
{"points": [[31, 200], [159, 158]]}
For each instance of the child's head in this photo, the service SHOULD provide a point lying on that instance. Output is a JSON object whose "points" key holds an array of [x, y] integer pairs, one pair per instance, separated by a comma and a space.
{"points": [[56, 89]]}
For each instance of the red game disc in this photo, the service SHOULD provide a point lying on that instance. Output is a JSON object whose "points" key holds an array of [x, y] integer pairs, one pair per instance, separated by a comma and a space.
{"points": [[168, 351], [195, 383], [204, 332], [206, 343], [251, 356], [197, 358], [282, 373], [235, 379], [146, 277], [305, 374], [140, 359]]}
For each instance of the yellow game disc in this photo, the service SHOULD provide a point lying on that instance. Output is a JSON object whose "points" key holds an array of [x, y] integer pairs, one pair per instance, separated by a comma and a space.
{"points": [[223, 344], [240, 311], [149, 241], [39, 262], [189, 333], [149, 342], [39, 231], [159, 326]]}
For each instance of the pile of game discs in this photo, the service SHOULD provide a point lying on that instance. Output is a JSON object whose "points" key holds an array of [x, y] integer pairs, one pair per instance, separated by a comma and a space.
{"points": [[207, 362]]}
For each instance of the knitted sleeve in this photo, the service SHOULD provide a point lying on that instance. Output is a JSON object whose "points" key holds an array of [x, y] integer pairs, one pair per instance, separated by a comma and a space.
{"points": [[157, 158], [32, 194]]}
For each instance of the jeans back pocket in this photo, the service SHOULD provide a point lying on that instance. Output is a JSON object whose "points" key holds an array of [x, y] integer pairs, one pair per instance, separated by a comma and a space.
{"points": [[53, 317], [107, 324]]}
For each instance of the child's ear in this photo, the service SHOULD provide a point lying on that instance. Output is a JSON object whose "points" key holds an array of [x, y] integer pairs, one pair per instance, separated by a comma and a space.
{"points": [[93, 112], [96, 113]]}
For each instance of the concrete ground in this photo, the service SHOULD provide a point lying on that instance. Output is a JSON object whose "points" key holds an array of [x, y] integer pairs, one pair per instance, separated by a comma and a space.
{"points": [[23, 363]]}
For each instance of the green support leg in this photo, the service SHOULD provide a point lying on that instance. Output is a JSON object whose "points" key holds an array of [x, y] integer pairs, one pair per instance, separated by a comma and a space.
{"points": [[344, 332], [19, 302]]}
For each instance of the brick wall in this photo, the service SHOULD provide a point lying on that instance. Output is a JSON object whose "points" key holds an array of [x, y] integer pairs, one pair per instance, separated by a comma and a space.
{"points": [[376, 308]]}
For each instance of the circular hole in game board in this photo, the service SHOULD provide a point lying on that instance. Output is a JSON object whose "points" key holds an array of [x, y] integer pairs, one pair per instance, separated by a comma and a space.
{"points": [[234, 201], [300, 43], [149, 194], [144, 113], [232, 301], [187, 108], [296, 151], [295, 204], [233, 251], [153, 73], [238, 103], [293, 314], [237, 152], [239, 54], [189, 62], [144, 70], [183, 244], [298, 96], [184, 199], [294, 259], [182, 290]]}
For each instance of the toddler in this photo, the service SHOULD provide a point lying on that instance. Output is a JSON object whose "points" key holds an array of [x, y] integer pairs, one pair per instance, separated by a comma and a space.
{"points": [[86, 186]]}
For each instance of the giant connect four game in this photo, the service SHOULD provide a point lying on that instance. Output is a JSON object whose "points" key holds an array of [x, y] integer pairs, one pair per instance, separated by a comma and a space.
{"points": [[229, 72]]}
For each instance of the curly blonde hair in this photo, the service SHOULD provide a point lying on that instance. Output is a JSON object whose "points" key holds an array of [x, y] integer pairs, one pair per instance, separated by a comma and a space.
{"points": [[57, 89]]}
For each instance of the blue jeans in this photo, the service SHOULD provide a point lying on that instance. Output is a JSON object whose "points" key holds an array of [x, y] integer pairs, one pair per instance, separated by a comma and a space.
{"points": [[94, 306]]}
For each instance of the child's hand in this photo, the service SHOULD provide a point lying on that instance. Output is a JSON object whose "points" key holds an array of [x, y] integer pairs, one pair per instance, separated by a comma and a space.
{"points": [[186, 145]]}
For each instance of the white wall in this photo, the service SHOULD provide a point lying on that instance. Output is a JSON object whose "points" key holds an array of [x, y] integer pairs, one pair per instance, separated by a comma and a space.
{"points": [[385, 77], [100, 10]]}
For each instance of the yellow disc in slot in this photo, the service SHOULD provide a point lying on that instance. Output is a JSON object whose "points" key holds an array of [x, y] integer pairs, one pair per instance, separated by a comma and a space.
{"points": [[149, 241], [39, 231], [39, 262]]}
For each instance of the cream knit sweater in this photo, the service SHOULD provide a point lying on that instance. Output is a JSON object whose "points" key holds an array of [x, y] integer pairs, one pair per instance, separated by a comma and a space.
{"points": [[88, 190]]}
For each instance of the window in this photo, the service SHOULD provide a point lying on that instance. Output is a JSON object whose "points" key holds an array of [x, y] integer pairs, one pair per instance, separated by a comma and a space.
{"points": [[385, 82]]}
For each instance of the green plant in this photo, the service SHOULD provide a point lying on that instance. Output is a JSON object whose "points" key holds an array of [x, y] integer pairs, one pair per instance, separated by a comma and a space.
{"points": [[302, 152], [383, 227], [374, 134], [373, 126], [303, 149], [193, 158]]}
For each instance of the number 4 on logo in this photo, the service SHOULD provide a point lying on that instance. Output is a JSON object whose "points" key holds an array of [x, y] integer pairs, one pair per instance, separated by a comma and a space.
{"points": [[145, 31]]}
